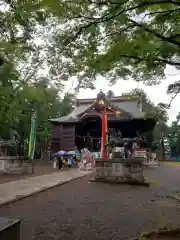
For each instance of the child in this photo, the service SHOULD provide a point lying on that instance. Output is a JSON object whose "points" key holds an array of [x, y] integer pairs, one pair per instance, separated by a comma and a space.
{"points": [[70, 162]]}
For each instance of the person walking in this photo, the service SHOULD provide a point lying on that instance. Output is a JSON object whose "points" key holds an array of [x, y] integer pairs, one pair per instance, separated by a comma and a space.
{"points": [[60, 163]]}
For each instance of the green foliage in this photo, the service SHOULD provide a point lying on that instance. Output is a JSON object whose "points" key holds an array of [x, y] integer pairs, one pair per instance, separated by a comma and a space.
{"points": [[110, 94], [115, 39], [161, 130], [25, 38], [118, 39], [46, 101], [174, 135], [158, 112], [19, 101]]}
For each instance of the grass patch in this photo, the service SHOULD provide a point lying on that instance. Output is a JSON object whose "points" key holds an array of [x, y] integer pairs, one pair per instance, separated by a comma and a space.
{"points": [[175, 164], [161, 233], [176, 197], [154, 183]]}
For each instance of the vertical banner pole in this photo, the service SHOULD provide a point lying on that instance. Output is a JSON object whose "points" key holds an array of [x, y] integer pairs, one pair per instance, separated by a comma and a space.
{"points": [[106, 129], [32, 140], [103, 139]]}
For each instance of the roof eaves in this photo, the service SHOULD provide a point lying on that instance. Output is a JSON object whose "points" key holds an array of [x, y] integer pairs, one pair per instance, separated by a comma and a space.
{"points": [[63, 119]]}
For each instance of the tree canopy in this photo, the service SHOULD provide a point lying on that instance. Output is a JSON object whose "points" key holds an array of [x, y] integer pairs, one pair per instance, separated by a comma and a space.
{"points": [[115, 39], [25, 83], [110, 94], [119, 39]]}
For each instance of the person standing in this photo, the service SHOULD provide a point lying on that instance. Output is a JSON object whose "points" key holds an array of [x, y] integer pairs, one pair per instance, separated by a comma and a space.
{"points": [[70, 160], [60, 163]]}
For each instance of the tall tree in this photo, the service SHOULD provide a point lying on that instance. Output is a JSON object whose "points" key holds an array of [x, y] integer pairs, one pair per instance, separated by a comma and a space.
{"points": [[110, 94], [45, 100], [174, 135], [24, 40]]}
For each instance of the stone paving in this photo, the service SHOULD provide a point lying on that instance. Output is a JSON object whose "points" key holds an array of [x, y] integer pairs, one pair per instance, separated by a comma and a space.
{"points": [[41, 167], [14, 190]]}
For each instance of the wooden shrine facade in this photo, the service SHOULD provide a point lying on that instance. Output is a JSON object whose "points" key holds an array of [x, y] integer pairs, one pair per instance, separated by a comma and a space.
{"points": [[125, 115]]}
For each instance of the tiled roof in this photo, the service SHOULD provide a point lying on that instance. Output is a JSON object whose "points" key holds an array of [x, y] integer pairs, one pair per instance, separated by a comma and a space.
{"points": [[129, 105]]}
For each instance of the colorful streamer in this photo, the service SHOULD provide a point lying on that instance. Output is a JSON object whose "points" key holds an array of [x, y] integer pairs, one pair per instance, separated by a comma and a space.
{"points": [[103, 138], [32, 139], [106, 130]]}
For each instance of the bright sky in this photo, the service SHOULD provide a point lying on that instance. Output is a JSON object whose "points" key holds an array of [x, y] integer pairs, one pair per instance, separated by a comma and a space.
{"points": [[156, 93]]}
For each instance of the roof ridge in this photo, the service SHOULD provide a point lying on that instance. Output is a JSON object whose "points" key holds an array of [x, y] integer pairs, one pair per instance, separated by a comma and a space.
{"points": [[121, 98]]}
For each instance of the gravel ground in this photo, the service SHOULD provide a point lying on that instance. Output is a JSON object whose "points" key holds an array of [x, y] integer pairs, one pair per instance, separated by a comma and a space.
{"points": [[93, 211]]}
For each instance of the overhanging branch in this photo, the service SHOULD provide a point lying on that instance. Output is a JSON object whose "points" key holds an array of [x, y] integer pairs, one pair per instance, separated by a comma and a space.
{"points": [[156, 34], [140, 59], [174, 2], [108, 17]]}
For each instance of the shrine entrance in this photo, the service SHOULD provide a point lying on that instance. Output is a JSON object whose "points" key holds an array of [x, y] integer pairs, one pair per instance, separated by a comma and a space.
{"points": [[88, 133]]}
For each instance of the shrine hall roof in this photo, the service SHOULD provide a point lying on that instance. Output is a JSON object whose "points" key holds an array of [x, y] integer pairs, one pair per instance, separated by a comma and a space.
{"points": [[131, 106]]}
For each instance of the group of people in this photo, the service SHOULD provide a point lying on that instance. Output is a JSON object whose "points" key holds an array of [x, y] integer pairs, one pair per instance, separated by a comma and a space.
{"points": [[84, 160], [63, 160], [86, 163]]}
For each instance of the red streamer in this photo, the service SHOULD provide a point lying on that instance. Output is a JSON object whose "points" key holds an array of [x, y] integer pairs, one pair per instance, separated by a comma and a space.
{"points": [[103, 139]]}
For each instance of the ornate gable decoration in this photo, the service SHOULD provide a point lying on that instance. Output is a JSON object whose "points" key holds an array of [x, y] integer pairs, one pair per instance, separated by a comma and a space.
{"points": [[103, 104]]}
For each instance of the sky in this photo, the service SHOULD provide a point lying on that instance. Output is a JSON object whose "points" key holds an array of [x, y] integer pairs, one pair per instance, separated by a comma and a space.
{"points": [[156, 93]]}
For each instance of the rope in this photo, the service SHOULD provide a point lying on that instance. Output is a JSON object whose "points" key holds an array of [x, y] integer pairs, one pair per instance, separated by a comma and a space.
{"points": [[87, 137]]}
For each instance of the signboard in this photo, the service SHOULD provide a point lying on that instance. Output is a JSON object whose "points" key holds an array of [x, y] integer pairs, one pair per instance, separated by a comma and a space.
{"points": [[140, 153]]}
